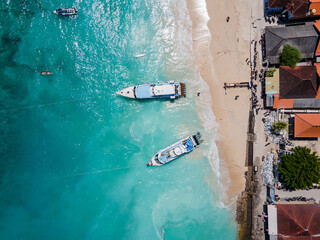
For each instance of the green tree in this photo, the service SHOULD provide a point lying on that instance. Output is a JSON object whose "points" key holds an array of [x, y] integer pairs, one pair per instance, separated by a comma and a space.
{"points": [[278, 126], [289, 56], [300, 169]]}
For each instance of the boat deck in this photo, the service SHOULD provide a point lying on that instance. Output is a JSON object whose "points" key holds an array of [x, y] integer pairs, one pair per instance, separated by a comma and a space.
{"points": [[168, 154], [143, 91]]}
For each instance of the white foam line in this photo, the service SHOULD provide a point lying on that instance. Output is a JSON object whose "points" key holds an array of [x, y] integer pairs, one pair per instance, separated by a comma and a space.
{"points": [[204, 108]]}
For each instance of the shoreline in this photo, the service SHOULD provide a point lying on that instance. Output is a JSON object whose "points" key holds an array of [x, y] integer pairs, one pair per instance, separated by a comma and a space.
{"points": [[220, 49]]}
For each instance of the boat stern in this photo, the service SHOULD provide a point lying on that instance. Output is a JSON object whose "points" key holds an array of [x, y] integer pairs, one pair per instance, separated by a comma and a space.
{"points": [[182, 92], [127, 92]]}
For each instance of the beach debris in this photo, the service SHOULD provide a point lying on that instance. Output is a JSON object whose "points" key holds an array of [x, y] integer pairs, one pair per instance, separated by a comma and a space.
{"points": [[267, 170]]}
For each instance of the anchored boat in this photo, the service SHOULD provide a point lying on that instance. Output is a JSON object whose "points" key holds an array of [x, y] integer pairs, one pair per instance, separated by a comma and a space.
{"points": [[176, 150], [46, 73], [65, 11], [169, 90]]}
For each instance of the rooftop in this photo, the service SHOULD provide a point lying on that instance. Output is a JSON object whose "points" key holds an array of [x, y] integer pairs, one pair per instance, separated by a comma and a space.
{"points": [[300, 82], [307, 125], [295, 221], [302, 36]]}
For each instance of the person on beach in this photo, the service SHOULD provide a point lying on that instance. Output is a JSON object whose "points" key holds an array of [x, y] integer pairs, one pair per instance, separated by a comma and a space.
{"points": [[227, 19]]}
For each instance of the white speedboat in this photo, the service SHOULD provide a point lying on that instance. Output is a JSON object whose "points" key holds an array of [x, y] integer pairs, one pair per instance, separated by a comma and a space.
{"points": [[65, 11], [169, 90], [176, 150]]}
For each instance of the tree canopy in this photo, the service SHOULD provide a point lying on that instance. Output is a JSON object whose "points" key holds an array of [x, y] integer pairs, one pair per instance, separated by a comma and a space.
{"points": [[300, 169], [289, 56]]}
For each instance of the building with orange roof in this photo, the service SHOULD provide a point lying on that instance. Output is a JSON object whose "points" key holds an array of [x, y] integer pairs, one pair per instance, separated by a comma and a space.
{"points": [[307, 125]]}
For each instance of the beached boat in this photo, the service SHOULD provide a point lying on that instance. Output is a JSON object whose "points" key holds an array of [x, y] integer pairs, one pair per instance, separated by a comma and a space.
{"points": [[65, 11], [176, 150], [169, 90]]}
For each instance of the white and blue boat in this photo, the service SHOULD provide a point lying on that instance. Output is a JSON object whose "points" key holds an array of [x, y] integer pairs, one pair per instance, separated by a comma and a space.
{"points": [[65, 11], [176, 150], [170, 90]]}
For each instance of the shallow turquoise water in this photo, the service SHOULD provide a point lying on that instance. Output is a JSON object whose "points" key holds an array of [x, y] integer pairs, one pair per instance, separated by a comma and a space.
{"points": [[73, 154]]}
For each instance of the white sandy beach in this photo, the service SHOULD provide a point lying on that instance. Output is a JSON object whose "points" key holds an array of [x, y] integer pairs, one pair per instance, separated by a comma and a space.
{"points": [[221, 55]]}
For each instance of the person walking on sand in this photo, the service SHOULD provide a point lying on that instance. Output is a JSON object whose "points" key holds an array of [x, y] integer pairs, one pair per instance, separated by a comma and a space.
{"points": [[227, 19]]}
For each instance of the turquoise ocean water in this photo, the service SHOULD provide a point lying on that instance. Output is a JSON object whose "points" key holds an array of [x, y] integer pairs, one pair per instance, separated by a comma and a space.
{"points": [[73, 154]]}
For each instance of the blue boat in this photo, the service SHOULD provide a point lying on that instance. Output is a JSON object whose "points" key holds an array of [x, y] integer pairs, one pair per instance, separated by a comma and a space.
{"points": [[170, 90], [65, 11], [176, 150]]}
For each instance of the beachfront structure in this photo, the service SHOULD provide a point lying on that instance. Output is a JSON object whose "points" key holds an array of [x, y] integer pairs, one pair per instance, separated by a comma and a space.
{"points": [[307, 125], [294, 221], [293, 88], [295, 9], [301, 36]]}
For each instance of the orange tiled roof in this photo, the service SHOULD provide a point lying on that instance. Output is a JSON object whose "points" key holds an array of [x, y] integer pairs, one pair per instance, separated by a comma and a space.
{"points": [[314, 1], [318, 93], [307, 125], [318, 68], [316, 6], [282, 103], [317, 25]]}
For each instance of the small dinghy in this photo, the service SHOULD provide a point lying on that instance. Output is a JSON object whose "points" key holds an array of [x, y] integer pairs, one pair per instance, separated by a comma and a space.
{"points": [[176, 150], [140, 55], [170, 90], [46, 73], [65, 11]]}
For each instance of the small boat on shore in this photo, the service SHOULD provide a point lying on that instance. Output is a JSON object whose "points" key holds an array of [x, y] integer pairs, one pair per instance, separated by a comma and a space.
{"points": [[46, 73], [169, 90], [65, 11], [176, 150]]}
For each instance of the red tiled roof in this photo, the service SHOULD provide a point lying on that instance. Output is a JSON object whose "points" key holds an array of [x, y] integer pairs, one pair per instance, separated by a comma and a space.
{"points": [[307, 125], [282, 103], [277, 3], [300, 82], [298, 221], [298, 8]]}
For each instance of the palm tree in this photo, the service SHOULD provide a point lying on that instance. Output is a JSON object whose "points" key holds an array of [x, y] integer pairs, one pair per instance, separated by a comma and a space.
{"points": [[278, 126], [300, 169]]}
